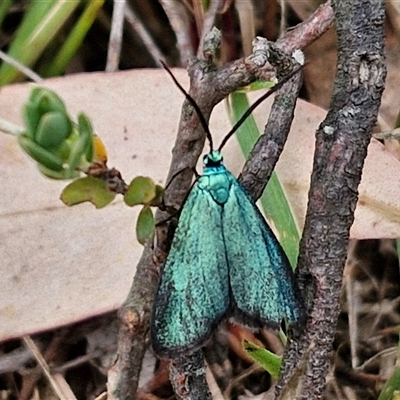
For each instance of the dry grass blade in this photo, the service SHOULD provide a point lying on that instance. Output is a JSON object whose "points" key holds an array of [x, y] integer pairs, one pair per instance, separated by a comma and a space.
{"points": [[180, 23], [20, 67], [138, 26], [58, 383], [102, 396], [115, 43]]}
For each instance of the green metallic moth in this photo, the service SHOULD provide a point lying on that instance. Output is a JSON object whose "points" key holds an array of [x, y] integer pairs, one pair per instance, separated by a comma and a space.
{"points": [[224, 261]]}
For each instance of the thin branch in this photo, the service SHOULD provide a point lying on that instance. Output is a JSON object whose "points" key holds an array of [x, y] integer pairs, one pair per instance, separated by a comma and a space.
{"points": [[276, 88], [265, 154], [309, 30], [208, 22], [393, 134]]}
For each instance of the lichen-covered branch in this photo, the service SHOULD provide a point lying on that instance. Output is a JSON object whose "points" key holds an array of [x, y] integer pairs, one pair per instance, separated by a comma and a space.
{"points": [[265, 154], [309, 30], [341, 147]]}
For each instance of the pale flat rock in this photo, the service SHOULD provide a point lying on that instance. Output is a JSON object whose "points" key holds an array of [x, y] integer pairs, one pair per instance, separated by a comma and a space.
{"points": [[65, 264]]}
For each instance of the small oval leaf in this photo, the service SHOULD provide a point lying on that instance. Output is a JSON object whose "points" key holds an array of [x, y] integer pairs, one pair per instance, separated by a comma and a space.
{"points": [[145, 225], [86, 131], [63, 174], [46, 100], [141, 190], [87, 189], [31, 119], [53, 128], [39, 154]]}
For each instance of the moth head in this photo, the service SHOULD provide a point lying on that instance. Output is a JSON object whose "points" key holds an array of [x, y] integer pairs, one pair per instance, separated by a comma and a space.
{"points": [[213, 158]]}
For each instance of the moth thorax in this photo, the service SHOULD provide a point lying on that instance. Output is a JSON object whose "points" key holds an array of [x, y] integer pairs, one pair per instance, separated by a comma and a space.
{"points": [[213, 158]]}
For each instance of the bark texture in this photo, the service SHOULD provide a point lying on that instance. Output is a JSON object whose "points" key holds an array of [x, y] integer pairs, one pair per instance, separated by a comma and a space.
{"points": [[341, 147]]}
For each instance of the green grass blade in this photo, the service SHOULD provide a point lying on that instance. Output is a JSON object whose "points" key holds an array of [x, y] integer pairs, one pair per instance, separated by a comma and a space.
{"points": [[391, 387], [74, 39], [40, 25], [274, 201], [32, 17], [268, 360], [34, 14]]}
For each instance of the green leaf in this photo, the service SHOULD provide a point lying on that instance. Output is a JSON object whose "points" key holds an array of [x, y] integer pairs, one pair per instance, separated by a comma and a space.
{"points": [[87, 189], [41, 23], [145, 225], [78, 151], [141, 190], [391, 389], [42, 101], [46, 100], [274, 201], [40, 154], [74, 39], [86, 130], [268, 360], [53, 128], [59, 175], [31, 118]]}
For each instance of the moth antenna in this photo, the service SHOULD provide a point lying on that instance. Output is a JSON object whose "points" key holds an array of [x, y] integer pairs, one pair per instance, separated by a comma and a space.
{"points": [[194, 105], [193, 169], [256, 104]]}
